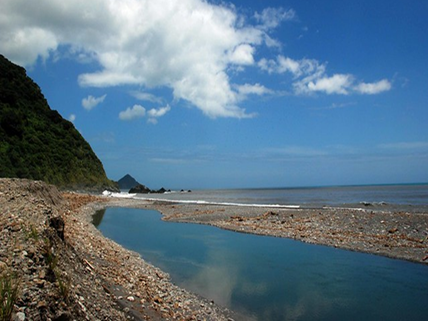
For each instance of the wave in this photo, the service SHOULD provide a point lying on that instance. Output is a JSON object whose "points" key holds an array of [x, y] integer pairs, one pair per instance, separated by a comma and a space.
{"points": [[203, 202], [368, 204], [118, 195]]}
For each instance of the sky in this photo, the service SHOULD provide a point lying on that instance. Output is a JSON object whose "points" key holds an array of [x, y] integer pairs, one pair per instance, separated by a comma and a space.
{"points": [[199, 94]]}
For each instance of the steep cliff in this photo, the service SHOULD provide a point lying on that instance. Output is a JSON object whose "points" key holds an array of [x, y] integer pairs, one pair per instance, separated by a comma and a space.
{"points": [[37, 143]]}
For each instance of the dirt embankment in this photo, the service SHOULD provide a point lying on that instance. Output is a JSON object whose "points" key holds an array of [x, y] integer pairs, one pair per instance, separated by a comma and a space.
{"points": [[64, 269]]}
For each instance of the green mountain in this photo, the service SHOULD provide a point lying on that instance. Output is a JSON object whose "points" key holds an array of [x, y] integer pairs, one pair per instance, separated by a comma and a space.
{"points": [[37, 143]]}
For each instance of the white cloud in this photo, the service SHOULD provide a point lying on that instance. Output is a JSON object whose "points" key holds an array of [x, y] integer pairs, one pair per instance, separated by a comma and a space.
{"points": [[154, 114], [242, 55], [90, 102], [72, 118], [310, 76], [256, 89], [25, 45], [131, 113], [146, 97], [271, 17], [404, 146], [303, 67], [287, 64], [187, 46], [148, 43], [337, 84], [374, 88], [158, 112]]}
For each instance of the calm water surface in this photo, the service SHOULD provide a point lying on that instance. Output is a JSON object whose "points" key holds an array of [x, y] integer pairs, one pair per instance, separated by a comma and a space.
{"points": [[267, 278], [405, 197]]}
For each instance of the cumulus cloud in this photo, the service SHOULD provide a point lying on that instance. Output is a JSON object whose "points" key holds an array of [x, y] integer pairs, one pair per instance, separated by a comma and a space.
{"points": [[90, 102], [72, 118], [187, 46], [303, 67], [146, 43], [310, 76], [138, 111], [158, 112], [374, 88], [242, 55], [336, 84], [256, 89], [154, 114], [131, 113]]}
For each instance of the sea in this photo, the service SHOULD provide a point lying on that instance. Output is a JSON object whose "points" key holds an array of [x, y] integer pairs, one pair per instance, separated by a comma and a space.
{"points": [[388, 197]]}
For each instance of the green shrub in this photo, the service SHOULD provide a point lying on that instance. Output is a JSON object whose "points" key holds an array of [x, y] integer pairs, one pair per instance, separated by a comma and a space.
{"points": [[9, 289]]}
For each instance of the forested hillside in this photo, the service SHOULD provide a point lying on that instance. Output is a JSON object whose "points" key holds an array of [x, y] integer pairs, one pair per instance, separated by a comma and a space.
{"points": [[36, 142]]}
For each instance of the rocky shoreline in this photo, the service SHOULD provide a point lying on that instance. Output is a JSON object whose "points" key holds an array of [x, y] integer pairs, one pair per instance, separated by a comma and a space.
{"points": [[64, 268], [399, 235]]}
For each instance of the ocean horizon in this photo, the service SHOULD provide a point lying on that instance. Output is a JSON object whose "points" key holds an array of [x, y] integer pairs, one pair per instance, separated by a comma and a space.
{"points": [[397, 197]]}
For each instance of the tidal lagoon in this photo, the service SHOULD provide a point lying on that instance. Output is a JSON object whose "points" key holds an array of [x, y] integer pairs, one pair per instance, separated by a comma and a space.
{"points": [[268, 278]]}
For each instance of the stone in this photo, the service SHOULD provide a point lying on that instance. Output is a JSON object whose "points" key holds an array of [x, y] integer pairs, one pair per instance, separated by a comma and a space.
{"points": [[130, 298], [58, 224], [63, 316], [3, 266], [20, 316], [41, 304], [40, 283], [157, 299]]}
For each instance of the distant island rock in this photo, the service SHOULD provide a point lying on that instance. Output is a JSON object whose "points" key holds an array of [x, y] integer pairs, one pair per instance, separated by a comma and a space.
{"points": [[37, 143], [140, 188], [127, 182]]}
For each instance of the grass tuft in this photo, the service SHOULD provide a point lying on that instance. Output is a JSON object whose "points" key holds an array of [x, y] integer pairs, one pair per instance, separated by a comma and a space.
{"points": [[9, 289]]}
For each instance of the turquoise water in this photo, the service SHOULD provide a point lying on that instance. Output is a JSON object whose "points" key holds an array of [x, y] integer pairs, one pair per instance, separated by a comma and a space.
{"points": [[267, 278]]}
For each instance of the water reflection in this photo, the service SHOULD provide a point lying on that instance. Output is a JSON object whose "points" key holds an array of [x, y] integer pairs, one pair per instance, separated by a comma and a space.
{"points": [[97, 218], [270, 278], [217, 279]]}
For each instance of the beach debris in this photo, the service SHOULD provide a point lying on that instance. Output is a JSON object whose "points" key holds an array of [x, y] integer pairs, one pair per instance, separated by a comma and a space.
{"points": [[269, 214]]}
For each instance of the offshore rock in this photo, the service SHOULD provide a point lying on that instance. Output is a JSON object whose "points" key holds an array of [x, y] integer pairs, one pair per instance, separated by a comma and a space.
{"points": [[140, 188]]}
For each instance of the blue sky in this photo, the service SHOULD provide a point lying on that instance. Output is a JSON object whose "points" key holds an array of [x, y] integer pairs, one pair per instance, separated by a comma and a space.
{"points": [[222, 94]]}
